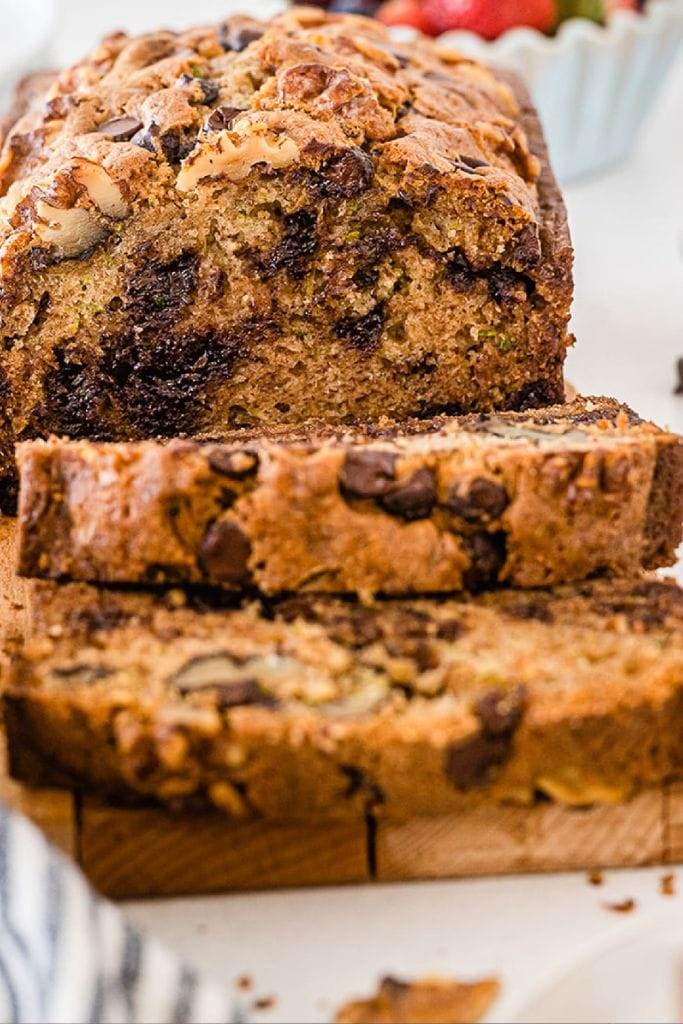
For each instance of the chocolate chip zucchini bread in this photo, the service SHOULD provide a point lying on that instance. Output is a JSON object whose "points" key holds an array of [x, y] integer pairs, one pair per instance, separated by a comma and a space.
{"points": [[317, 706], [527, 499], [257, 223]]}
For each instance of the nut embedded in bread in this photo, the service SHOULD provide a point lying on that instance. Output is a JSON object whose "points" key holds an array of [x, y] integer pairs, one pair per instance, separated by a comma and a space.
{"points": [[257, 223], [319, 707]]}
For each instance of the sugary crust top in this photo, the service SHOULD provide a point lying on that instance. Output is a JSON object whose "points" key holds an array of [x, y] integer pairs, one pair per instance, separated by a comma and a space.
{"points": [[159, 117]]}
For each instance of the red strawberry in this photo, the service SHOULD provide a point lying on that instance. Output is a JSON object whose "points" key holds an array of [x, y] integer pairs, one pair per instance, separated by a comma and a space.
{"points": [[621, 5], [490, 18], [407, 12]]}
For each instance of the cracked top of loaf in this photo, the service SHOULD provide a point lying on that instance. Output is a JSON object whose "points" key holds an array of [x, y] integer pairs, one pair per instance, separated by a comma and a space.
{"points": [[141, 117]]}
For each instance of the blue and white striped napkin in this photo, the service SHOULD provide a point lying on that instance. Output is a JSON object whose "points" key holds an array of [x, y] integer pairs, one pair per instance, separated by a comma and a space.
{"points": [[66, 955]]}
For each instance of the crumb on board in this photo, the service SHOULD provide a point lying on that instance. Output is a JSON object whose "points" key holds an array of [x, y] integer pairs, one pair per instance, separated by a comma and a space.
{"points": [[678, 390], [596, 877], [244, 982], [422, 1002], [264, 1003], [621, 906], [667, 884]]}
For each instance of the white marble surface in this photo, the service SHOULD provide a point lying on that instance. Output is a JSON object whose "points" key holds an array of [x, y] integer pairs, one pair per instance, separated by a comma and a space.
{"points": [[313, 949]]}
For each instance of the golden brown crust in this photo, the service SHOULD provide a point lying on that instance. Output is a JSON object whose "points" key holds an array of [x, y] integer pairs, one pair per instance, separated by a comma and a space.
{"points": [[368, 228], [521, 499], [322, 707], [28, 92]]}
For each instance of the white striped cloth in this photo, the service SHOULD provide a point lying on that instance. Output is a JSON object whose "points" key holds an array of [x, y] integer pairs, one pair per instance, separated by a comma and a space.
{"points": [[69, 957]]}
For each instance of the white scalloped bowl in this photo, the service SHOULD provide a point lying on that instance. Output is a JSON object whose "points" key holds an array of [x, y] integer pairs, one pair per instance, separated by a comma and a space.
{"points": [[593, 86]]}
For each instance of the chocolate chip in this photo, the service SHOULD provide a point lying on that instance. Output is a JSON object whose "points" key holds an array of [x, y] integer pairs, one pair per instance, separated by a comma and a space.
{"points": [[413, 498], [347, 175], [156, 292], [234, 464], [224, 553], [294, 251], [367, 474], [362, 332], [538, 393], [366, 277], [479, 501], [120, 129], [223, 118], [473, 763], [459, 272], [507, 285], [487, 558], [176, 145], [450, 629], [238, 37], [210, 91]]}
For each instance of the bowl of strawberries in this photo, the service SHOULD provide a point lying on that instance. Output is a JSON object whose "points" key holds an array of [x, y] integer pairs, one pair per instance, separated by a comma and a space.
{"points": [[594, 67]]}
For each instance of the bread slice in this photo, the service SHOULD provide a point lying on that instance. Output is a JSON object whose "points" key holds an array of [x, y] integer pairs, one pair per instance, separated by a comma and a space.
{"points": [[317, 706], [527, 499], [255, 223]]}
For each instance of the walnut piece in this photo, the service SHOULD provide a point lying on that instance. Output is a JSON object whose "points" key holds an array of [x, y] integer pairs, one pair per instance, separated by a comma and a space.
{"points": [[233, 154], [72, 231], [103, 191], [208, 670], [71, 228]]}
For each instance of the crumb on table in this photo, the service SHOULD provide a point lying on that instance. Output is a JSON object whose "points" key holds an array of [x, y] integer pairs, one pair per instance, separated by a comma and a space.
{"points": [[422, 1002], [622, 906]]}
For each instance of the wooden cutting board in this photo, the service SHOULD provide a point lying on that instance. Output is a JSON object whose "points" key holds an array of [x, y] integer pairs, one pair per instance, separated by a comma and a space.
{"points": [[136, 852], [146, 851]]}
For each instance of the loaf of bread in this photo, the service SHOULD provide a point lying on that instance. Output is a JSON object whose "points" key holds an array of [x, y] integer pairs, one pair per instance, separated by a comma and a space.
{"points": [[528, 499], [318, 706], [259, 223]]}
